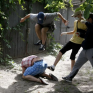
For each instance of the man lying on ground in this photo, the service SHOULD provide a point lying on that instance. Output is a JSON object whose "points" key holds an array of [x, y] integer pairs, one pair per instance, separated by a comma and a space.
{"points": [[33, 66]]}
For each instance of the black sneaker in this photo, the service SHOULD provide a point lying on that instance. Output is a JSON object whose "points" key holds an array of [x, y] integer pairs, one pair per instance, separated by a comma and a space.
{"points": [[38, 42], [42, 47], [53, 77], [67, 79], [51, 68]]}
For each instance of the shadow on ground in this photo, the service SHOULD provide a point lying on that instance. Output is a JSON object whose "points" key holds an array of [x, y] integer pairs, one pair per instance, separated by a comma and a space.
{"points": [[23, 86], [12, 81]]}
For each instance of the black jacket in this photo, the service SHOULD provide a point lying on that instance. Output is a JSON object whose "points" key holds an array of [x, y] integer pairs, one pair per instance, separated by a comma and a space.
{"points": [[88, 42]]}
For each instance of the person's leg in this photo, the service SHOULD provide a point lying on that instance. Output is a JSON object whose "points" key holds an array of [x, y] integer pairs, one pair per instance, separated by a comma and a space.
{"points": [[72, 64], [75, 50], [67, 47], [89, 54], [62, 51], [31, 78], [44, 34], [55, 62], [57, 58], [38, 31], [80, 61]]}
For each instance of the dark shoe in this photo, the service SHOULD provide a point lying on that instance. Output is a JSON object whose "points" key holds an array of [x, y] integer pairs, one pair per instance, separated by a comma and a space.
{"points": [[67, 79], [51, 68], [53, 77], [38, 42], [37, 76], [42, 47], [42, 81]]}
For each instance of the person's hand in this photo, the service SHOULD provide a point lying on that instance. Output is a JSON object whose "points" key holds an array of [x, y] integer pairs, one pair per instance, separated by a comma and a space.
{"points": [[66, 22], [83, 21], [63, 33], [22, 20], [78, 34]]}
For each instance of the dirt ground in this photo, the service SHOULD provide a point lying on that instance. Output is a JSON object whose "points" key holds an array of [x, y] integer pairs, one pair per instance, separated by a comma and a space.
{"points": [[12, 82]]}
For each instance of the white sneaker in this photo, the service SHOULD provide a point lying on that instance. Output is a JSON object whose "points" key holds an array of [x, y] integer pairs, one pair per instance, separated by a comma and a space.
{"points": [[42, 47]]}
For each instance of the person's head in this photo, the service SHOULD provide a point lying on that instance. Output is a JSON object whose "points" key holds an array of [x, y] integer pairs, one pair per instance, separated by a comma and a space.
{"points": [[40, 17], [90, 18], [77, 15]]}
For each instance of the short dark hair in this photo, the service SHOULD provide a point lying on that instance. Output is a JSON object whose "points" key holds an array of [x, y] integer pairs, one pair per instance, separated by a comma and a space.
{"points": [[91, 16]]}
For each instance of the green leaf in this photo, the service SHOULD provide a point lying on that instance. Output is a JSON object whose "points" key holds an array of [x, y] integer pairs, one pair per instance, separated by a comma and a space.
{"points": [[19, 1], [8, 45], [80, 8], [70, 2], [10, 1], [86, 12], [90, 1]]}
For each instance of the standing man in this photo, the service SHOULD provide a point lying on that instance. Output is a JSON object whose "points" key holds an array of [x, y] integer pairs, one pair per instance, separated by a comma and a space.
{"points": [[44, 23]]}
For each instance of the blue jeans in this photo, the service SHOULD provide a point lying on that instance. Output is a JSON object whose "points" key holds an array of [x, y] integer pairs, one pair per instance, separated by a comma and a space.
{"points": [[39, 67]]}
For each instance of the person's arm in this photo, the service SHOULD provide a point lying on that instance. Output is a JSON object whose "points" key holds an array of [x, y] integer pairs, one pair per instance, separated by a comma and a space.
{"points": [[65, 33], [24, 18], [23, 69], [63, 19]]}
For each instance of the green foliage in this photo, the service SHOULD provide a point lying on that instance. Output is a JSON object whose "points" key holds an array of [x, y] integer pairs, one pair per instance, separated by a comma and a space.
{"points": [[87, 7], [53, 47], [34, 1], [86, 12], [5, 7], [54, 6], [70, 2]]}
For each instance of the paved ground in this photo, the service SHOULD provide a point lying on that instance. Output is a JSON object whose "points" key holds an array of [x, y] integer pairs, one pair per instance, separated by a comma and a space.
{"points": [[11, 81]]}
